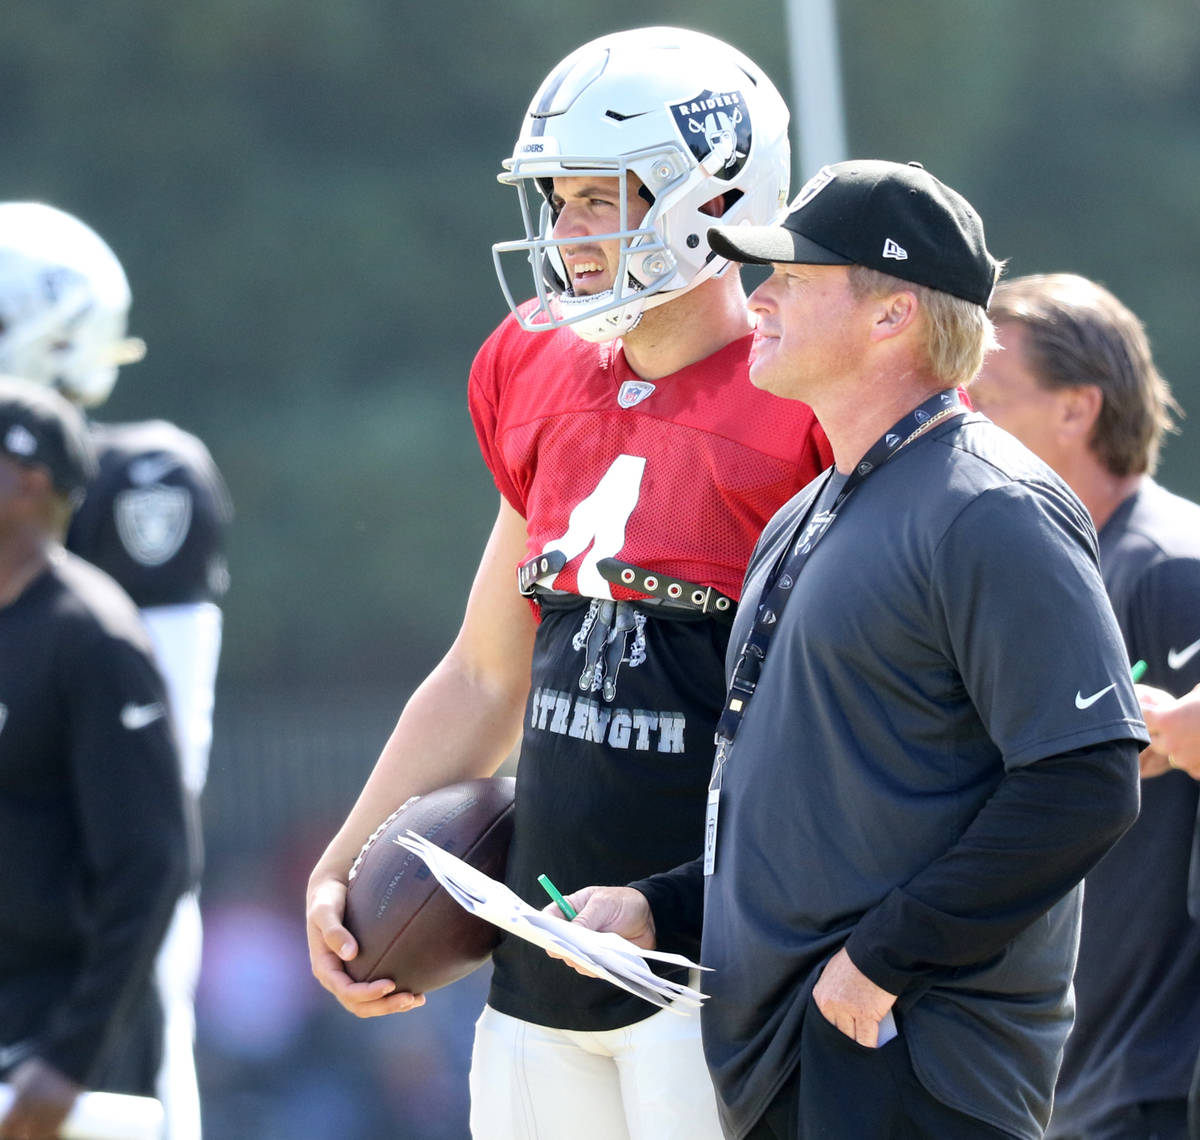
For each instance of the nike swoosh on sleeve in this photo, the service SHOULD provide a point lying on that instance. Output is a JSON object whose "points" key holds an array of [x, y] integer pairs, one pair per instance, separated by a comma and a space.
{"points": [[151, 468], [1178, 658], [1082, 702], [135, 716]]}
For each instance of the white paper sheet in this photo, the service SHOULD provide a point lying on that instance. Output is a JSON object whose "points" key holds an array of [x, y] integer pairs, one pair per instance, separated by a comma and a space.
{"points": [[606, 955]]}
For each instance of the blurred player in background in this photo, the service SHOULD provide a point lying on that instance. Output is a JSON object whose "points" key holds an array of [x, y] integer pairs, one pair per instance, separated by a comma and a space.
{"points": [[636, 465], [155, 518], [1076, 383], [94, 836]]}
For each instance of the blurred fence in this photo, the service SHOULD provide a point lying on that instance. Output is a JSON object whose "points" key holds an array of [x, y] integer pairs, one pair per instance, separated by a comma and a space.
{"points": [[284, 764]]}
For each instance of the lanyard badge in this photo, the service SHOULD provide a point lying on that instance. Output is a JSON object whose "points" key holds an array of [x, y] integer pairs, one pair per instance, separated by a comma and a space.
{"points": [[713, 807]]}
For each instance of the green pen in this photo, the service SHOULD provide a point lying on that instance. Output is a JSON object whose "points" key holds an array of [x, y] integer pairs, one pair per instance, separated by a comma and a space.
{"points": [[555, 894], [1137, 670]]}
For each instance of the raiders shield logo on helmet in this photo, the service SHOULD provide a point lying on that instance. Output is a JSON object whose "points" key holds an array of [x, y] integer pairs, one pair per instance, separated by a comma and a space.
{"points": [[153, 522], [716, 127]]}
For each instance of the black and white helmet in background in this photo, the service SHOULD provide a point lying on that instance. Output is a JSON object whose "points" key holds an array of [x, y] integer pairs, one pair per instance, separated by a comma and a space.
{"points": [[64, 303], [694, 119]]}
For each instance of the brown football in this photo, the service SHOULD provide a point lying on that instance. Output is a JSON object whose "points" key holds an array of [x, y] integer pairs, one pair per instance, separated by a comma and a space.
{"points": [[407, 927]]}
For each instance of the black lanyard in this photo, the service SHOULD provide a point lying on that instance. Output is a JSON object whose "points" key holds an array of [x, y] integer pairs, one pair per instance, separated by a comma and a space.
{"points": [[778, 586]]}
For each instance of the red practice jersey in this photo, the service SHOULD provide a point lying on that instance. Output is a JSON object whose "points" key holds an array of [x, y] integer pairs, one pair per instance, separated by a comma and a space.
{"points": [[678, 475]]}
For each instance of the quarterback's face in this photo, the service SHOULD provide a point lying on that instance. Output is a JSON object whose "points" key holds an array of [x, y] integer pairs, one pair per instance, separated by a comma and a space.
{"points": [[587, 208]]}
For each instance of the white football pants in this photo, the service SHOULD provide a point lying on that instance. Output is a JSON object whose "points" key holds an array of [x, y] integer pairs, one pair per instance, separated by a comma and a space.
{"points": [[645, 1081]]}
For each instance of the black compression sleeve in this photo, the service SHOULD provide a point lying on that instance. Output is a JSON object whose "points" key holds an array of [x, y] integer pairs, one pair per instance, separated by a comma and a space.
{"points": [[1042, 829]]}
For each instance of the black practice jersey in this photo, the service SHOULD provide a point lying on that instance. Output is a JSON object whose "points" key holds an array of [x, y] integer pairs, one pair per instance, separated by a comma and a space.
{"points": [[93, 840], [156, 515]]}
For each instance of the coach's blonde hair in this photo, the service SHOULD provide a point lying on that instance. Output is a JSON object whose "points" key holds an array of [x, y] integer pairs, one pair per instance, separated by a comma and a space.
{"points": [[958, 333]]}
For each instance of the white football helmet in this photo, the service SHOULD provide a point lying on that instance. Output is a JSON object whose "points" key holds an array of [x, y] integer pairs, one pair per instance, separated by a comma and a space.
{"points": [[694, 119], [64, 302]]}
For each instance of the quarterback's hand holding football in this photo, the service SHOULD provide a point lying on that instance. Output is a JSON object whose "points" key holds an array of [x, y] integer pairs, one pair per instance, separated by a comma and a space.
{"points": [[622, 910], [331, 945], [42, 1098]]}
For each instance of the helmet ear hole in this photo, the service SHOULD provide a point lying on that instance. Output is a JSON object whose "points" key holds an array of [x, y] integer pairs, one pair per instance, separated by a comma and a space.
{"points": [[721, 205]]}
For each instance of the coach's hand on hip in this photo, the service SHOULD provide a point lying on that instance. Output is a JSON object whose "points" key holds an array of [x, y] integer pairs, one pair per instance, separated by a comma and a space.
{"points": [[850, 1000]]}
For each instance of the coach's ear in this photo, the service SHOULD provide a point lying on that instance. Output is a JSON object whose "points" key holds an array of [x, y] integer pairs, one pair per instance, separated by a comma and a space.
{"points": [[893, 313]]}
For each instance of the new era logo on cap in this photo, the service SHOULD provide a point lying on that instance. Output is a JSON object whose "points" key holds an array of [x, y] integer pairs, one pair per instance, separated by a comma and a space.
{"points": [[894, 250]]}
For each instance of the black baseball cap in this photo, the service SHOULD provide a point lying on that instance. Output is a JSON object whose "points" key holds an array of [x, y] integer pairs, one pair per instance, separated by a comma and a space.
{"points": [[891, 216], [39, 428]]}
